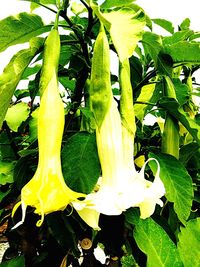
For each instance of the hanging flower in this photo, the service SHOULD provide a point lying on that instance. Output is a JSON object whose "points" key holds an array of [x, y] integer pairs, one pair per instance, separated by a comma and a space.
{"points": [[47, 191]]}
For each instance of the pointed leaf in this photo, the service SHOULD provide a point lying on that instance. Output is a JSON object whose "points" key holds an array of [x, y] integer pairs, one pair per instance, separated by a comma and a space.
{"points": [[13, 72], [16, 115], [165, 24], [177, 182], [20, 28], [126, 29], [153, 241], [80, 162], [189, 243]]}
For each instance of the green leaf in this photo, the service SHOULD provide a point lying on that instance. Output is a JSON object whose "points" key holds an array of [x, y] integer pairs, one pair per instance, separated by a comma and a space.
{"points": [[116, 3], [16, 262], [177, 37], [185, 24], [6, 150], [153, 241], [145, 96], [33, 126], [126, 28], [6, 172], [184, 52], [187, 151], [80, 162], [172, 106], [13, 72], [165, 24], [16, 114], [20, 28], [189, 243], [182, 91], [177, 182], [30, 71]]}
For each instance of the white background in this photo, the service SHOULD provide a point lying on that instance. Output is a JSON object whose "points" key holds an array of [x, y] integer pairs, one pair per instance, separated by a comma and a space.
{"points": [[173, 10]]}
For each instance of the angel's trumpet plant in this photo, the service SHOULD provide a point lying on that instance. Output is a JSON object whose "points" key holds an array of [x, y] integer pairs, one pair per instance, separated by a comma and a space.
{"points": [[121, 185], [47, 191]]}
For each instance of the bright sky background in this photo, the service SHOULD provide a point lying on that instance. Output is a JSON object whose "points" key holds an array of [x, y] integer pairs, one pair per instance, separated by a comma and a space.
{"points": [[173, 10]]}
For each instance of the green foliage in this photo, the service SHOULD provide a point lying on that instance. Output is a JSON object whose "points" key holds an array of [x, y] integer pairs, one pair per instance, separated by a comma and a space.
{"points": [[178, 184], [153, 241], [160, 71], [189, 241]]}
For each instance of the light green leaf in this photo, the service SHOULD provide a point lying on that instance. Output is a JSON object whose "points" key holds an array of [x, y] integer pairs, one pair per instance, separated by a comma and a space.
{"points": [[16, 115], [165, 24], [20, 28], [126, 28], [6, 172], [13, 72], [177, 182], [115, 3], [153, 241], [189, 243], [144, 97], [177, 37], [184, 52], [80, 162], [15, 262]]}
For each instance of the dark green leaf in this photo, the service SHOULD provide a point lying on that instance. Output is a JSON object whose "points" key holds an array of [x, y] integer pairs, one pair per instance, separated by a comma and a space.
{"points": [[6, 149], [189, 243], [20, 28], [182, 91], [177, 182], [172, 106], [153, 241], [187, 151], [165, 24], [80, 162], [13, 72], [6, 172], [30, 71], [16, 262]]}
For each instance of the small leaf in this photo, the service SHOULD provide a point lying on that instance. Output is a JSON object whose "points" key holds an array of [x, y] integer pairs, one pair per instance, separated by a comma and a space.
{"points": [[185, 24], [145, 96], [165, 24], [116, 3], [16, 115], [177, 182], [189, 243], [80, 162], [153, 241], [6, 172], [20, 28], [16, 262]]}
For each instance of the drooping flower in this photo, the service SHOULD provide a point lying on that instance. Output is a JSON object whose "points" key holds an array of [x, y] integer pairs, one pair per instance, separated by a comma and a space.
{"points": [[47, 191]]}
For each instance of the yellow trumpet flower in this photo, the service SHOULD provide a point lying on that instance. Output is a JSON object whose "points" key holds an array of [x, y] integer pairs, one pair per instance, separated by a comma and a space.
{"points": [[47, 191]]}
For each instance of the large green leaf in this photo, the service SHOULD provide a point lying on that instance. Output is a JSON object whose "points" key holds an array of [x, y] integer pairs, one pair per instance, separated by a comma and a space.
{"points": [[20, 28], [153, 241], [16, 262], [184, 52], [177, 182], [80, 162], [126, 29], [189, 243], [16, 114], [172, 106], [12, 74]]}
